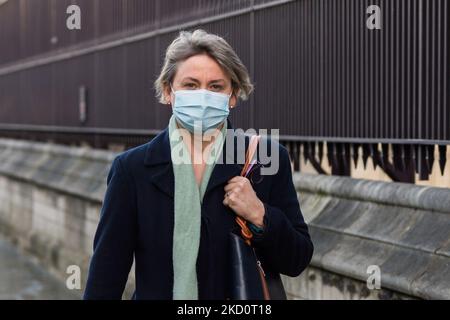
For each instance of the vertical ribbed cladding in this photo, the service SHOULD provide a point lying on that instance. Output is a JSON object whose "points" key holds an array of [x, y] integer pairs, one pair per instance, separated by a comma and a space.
{"points": [[9, 26], [35, 28], [319, 72], [110, 107], [440, 70], [110, 17], [88, 29], [9, 94], [444, 67], [182, 11], [141, 13], [435, 69], [285, 61], [163, 112], [140, 72], [78, 72]]}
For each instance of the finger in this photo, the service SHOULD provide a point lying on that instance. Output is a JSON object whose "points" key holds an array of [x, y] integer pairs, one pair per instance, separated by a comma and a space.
{"points": [[233, 197], [236, 179], [227, 195], [236, 205], [240, 182], [232, 186], [230, 200]]}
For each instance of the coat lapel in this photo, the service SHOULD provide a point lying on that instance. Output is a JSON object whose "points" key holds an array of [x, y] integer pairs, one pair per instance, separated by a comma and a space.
{"points": [[157, 155]]}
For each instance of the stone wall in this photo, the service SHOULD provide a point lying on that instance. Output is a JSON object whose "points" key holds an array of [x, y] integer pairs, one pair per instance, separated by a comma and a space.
{"points": [[50, 201], [403, 229], [51, 195]]}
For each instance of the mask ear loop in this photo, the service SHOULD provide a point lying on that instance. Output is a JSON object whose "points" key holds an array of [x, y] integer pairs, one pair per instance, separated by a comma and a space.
{"points": [[229, 97], [171, 89]]}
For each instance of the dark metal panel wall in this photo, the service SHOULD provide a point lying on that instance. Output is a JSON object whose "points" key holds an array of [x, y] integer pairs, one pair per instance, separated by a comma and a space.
{"points": [[9, 93], [33, 27], [141, 13], [9, 31], [436, 89], [140, 72], [67, 78], [318, 71], [321, 72]]}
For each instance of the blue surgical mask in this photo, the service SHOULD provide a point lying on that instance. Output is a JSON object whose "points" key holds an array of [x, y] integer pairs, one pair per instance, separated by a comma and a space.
{"points": [[200, 109]]}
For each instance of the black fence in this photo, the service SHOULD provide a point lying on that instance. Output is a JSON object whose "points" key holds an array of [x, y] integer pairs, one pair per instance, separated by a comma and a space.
{"points": [[321, 76]]}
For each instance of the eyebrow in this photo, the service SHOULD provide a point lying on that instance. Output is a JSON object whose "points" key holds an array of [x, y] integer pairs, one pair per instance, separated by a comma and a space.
{"points": [[195, 80]]}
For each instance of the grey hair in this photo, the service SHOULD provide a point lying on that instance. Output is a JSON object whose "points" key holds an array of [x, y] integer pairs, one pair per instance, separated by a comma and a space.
{"points": [[188, 44]]}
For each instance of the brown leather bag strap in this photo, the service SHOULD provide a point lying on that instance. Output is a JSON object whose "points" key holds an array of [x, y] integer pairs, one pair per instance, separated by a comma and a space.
{"points": [[252, 147], [245, 231]]}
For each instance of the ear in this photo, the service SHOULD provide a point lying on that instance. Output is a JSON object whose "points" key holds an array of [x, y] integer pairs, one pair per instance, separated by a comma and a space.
{"points": [[234, 98], [167, 95]]}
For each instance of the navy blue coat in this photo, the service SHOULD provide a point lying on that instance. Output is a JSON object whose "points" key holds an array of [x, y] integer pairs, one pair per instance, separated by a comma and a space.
{"points": [[137, 219]]}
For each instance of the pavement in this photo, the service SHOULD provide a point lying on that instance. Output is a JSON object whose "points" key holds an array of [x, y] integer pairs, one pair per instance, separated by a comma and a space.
{"points": [[22, 279]]}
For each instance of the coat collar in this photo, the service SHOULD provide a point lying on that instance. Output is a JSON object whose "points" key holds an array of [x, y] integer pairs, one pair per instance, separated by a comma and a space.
{"points": [[158, 153]]}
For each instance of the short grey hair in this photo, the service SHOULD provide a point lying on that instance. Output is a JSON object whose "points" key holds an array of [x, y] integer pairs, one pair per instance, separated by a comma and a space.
{"points": [[188, 44]]}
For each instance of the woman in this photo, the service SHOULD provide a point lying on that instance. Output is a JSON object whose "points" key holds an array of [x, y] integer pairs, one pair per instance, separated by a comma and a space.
{"points": [[174, 216]]}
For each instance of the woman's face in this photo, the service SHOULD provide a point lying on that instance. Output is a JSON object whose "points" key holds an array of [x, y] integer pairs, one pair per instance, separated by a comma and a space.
{"points": [[200, 72]]}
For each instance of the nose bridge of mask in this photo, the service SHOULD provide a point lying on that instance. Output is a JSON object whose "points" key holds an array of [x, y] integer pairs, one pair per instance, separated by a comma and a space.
{"points": [[204, 91], [220, 94], [191, 98], [217, 100]]}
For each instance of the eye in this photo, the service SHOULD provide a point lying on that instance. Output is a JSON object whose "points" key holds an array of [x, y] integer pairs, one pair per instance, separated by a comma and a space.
{"points": [[190, 85], [217, 87]]}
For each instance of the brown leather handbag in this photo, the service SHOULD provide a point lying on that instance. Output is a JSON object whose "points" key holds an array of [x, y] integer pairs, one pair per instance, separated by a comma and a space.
{"points": [[248, 280]]}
